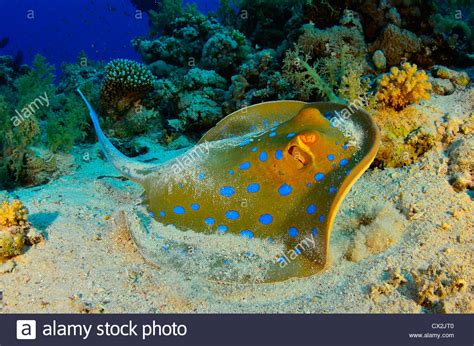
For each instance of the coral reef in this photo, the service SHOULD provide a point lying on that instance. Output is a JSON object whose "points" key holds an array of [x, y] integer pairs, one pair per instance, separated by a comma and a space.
{"points": [[402, 87], [125, 82], [252, 18]]}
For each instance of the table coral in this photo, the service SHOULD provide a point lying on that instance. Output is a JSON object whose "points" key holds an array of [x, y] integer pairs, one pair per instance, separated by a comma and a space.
{"points": [[402, 87], [125, 82]]}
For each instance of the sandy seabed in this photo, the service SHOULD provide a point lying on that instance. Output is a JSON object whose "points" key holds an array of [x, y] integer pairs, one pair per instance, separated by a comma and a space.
{"points": [[402, 243]]}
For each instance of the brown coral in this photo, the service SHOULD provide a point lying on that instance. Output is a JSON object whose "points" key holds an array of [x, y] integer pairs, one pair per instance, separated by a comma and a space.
{"points": [[402, 87], [397, 44], [125, 82]]}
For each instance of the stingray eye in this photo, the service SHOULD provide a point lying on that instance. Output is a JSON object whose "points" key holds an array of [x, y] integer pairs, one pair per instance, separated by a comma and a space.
{"points": [[299, 155]]}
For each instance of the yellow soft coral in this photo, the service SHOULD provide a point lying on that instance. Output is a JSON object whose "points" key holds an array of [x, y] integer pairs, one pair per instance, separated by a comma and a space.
{"points": [[13, 214], [402, 87]]}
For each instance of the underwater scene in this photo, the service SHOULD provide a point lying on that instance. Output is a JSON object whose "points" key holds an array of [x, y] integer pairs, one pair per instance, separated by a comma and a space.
{"points": [[237, 156]]}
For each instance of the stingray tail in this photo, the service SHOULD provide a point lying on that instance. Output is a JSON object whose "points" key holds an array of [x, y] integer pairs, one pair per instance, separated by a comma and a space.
{"points": [[129, 168]]}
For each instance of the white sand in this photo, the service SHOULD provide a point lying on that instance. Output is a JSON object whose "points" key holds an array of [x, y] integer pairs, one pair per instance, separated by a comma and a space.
{"points": [[87, 264]]}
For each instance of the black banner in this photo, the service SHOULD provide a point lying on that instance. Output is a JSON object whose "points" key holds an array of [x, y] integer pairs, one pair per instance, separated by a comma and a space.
{"points": [[291, 330]]}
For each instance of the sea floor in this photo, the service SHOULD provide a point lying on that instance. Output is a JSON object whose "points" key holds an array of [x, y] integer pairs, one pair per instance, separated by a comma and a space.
{"points": [[402, 243]]}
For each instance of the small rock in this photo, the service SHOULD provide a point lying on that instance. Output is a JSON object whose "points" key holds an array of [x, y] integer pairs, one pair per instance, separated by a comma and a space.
{"points": [[7, 267], [33, 237], [442, 86], [380, 62], [458, 78]]}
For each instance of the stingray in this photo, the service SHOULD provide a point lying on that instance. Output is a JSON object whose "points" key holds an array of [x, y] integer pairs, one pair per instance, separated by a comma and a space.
{"points": [[276, 171]]}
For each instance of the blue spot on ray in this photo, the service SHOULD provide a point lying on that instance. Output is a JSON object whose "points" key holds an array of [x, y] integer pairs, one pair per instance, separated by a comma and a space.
{"points": [[314, 231], [285, 190], [231, 171], [247, 234], [232, 214], [265, 219], [227, 191], [179, 210], [332, 189], [254, 149], [195, 206], [253, 188], [222, 228], [210, 221], [291, 135], [321, 218], [244, 166], [331, 157], [278, 154], [272, 134], [311, 209], [343, 162], [319, 176], [151, 214], [293, 232], [245, 142], [162, 214], [201, 176], [263, 156]]}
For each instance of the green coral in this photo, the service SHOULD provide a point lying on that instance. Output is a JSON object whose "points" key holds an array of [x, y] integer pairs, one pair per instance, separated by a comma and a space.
{"points": [[67, 125], [337, 78], [24, 117]]}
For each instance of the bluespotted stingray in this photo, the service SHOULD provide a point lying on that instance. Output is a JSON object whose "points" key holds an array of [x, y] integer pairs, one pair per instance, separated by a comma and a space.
{"points": [[275, 171]]}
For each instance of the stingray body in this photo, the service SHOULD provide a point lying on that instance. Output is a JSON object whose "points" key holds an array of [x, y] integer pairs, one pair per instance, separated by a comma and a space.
{"points": [[275, 171]]}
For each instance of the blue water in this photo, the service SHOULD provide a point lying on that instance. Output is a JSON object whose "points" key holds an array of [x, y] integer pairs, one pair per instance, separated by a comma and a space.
{"points": [[61, 29]]}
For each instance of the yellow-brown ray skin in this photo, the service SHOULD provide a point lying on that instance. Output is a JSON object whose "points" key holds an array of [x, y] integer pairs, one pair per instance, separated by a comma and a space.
{"points": [[304, 120], [284, 110]]}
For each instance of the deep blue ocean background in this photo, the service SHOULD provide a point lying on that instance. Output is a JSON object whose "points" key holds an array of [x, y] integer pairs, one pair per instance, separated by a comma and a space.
{"points": [[62, 29]]}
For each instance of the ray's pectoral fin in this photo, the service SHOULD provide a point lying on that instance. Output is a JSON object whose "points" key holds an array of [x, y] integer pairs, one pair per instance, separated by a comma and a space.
{"points": [[299, 148]]}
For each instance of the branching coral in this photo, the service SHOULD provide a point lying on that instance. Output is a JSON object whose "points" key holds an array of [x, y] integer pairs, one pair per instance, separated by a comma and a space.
{"points": [[15, 230], [402, 87], [125, 82], [13, 214], [13, 222], [305, 77], [337, 78], [32, 104]]}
